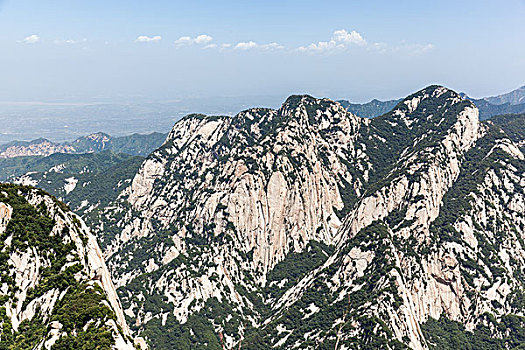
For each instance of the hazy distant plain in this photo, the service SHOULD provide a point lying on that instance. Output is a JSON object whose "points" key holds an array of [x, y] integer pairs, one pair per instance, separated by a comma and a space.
{"points": [[66, 121]]}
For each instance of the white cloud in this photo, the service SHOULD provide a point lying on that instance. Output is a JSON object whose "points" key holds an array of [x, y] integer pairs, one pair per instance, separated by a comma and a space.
{"points": [[225, 46], [242, 46], [249, 45], [246, 45], [342, 36], [198, 40], [321, 46], [202, 39], [148, 39], [31, 39], [184, 40], [340, 40]]}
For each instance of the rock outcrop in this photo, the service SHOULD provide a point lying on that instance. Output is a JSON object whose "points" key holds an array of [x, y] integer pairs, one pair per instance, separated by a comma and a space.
{"points": [[413, 241], [55, 286], [309, 227], [40, 147]]}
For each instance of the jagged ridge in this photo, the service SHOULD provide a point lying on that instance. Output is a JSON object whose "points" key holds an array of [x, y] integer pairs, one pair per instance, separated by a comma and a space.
{"points": [[309, 227]]}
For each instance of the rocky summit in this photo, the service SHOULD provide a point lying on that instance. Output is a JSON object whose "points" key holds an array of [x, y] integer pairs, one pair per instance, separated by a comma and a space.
{"points": [[310, 227]]}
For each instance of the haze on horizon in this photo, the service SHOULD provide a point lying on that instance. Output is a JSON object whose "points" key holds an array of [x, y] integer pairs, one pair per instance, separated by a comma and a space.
{"points": [[96, 50]]}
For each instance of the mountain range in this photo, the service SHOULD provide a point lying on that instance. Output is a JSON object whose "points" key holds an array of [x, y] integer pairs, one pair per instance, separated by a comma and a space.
{"points": [[508, 103], [514, 97], [135, 144], [310, 227]]}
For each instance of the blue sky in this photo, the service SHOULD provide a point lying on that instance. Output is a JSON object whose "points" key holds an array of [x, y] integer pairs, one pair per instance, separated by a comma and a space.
{"points": [[87, 50]]}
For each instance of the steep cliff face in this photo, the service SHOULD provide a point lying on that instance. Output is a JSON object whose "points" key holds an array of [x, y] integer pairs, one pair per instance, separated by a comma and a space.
{"points": [[439, 236], [55, 288], [270, 175], [308, 227], [438, 128], [226, 199]]}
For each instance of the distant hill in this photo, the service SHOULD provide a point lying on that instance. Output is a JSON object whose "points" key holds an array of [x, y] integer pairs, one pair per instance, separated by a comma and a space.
{"points": [[136, 144], [371, 109], [60, 163], [515, 97], [80, 180], [488, 110]]}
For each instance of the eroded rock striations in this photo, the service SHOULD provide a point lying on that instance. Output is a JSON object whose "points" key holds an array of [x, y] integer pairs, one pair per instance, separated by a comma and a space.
{"points": [[309, 227]]}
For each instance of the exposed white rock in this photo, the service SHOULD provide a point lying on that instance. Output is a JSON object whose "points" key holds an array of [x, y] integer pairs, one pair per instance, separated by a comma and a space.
{"points": [[26, 180], [70, 185], [225, 199], [41, 148], [5, 215], [25, 268]]}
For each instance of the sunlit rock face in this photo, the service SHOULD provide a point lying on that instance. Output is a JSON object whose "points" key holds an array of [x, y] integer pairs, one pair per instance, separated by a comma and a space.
{"points": [[308, 227]]}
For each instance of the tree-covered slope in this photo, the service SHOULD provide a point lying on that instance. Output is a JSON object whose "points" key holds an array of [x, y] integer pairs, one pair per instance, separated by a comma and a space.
{"points": [[514, 127], [56, 292], [39, 167], [85, 182], [371, 109], [356, 299], [386, 285]]}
